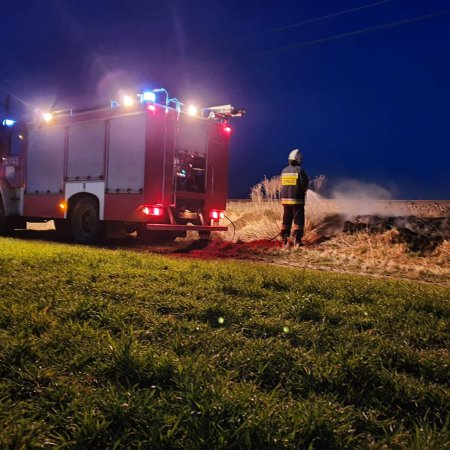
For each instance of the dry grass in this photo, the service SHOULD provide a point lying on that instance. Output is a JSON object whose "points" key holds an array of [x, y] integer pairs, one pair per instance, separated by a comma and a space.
{"points": [[325, 247], [376, 254], [262, 220], [266, 190]]}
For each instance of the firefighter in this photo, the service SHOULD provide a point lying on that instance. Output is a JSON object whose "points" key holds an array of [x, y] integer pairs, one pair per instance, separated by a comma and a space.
{"points": [[294, 184]]}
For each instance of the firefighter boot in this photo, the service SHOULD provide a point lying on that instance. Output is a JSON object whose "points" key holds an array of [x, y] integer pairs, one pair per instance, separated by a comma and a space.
{"points": [[285, 237], [298, 238]]}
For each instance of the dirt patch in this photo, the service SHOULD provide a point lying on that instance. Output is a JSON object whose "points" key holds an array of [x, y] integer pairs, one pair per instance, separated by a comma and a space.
{"points": [[259, 250]]}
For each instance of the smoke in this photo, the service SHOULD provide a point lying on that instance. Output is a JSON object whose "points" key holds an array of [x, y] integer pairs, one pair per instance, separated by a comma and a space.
{"points": [[354, 198], [351, 198], [113, 82], [352, 189]]}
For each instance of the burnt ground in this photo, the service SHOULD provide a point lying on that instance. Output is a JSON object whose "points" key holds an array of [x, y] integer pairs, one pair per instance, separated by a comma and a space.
{"points": [[421, 235]]}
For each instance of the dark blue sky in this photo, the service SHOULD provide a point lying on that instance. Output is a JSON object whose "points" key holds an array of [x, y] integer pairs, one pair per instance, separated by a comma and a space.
{"points": [[370, 106]]}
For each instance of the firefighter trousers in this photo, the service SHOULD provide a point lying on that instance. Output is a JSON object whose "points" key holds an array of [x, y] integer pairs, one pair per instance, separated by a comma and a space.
{"points": [[296, 214]]}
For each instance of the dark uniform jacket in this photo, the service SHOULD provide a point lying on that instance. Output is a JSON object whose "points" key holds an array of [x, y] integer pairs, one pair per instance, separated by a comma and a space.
{"points": [[294, 183]]}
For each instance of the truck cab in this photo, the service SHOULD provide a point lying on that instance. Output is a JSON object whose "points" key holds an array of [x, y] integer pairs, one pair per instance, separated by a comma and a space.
{"points": [[12, 149]]}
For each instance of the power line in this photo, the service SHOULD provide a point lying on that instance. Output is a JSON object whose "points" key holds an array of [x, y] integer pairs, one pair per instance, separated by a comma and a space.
{"points": [[328, 16], [356, 32]]}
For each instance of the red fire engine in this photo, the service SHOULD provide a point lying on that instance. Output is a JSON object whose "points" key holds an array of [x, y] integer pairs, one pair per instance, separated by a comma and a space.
{"points": [[156, 167]]}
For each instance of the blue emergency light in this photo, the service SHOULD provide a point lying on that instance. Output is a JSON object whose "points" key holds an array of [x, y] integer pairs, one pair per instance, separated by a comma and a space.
{"points": [[9, 122], [148, 96]]}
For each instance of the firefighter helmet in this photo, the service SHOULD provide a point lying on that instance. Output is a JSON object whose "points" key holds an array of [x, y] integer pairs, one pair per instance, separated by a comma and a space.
{"points": [[296, 156]]}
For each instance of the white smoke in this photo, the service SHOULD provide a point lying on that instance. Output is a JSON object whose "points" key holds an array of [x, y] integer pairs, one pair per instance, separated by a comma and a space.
{"points": [[352, 189], [354, 198], [351, 198]]}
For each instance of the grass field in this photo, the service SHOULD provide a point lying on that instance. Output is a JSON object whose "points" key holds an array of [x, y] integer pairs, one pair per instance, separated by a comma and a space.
{"points": [[113, 349]]}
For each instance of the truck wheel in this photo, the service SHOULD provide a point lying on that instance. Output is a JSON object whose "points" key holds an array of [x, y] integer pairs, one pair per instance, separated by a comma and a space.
{"points": [[84, 221]]}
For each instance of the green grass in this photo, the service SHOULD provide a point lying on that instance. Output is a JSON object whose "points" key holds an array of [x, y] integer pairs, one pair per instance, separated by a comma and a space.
{"points": [[108, 349]]}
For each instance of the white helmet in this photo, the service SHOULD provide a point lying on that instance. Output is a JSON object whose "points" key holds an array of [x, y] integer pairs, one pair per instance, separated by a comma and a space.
{"points": [[296, 156]]}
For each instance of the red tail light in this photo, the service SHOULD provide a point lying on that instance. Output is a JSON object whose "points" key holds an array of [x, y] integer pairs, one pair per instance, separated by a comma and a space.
{"points": [[216, 215], [227, 129], [151, 107], [153, 210]]}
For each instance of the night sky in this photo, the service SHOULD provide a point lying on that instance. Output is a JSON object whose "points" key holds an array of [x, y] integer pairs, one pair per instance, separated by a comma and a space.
{"points": [[361, 86]]}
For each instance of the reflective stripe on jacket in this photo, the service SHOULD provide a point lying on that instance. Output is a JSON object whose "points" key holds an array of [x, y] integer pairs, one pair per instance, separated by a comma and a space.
{"points": [[294, 183]]}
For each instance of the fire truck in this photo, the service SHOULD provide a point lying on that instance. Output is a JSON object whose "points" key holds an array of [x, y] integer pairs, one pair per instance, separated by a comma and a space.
{"points": [[148, 164]]}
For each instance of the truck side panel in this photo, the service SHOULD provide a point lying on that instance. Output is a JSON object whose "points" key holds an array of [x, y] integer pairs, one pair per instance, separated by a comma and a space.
{"points": [[43, 205], [217, 180], [124, 207], [86, 152], [159, 154], [45, 160], [126, 154]]}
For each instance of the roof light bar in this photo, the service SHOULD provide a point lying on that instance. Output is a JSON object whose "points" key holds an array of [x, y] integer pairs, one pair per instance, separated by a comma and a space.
{"points": [[164, 91], [148, 96], [128, 101], [192, 110], [222, 113]]}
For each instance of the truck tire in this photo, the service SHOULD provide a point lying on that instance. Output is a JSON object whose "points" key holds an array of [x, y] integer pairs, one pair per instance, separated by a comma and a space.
{"points": [[85, 224]]}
